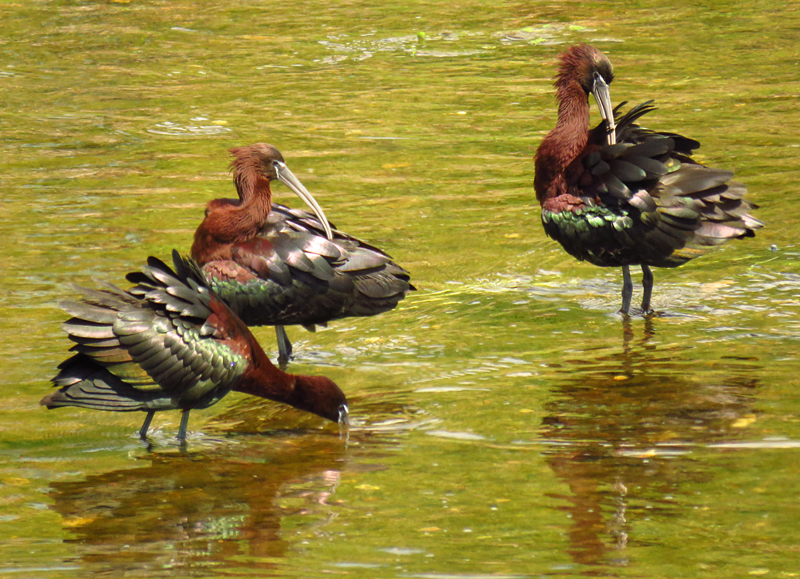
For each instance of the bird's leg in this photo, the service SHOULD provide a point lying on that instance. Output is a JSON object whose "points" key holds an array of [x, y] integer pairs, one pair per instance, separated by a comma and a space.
{"points": [[184, 425], [627, 290], [147, 420], [284, 346], [647, 287]]}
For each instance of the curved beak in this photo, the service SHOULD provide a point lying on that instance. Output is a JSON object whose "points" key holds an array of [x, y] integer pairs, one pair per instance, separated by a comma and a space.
{"points": [[344, 415], [603, 97], [286, 177]]}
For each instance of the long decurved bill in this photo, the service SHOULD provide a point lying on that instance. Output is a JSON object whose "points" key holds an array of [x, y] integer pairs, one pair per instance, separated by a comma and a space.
{"points": [[603, 97], [286, 177], [344, 415]]}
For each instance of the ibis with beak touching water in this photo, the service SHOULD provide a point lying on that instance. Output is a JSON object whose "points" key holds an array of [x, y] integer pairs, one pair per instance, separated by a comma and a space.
{"points": [[170, 343]]}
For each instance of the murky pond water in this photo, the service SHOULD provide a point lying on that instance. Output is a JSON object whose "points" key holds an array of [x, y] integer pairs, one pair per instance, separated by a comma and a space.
{"points": [[507, 424]]}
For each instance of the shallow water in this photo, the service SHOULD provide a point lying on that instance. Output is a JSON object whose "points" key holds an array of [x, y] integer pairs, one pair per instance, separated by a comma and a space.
{"points": [[507, 423]]}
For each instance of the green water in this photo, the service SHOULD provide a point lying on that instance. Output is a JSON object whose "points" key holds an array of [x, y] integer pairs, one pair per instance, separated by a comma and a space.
{"points": [[507, 424]]}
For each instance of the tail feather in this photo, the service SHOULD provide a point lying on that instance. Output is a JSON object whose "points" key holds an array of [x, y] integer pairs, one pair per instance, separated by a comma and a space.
{"points": [[84, 383]]}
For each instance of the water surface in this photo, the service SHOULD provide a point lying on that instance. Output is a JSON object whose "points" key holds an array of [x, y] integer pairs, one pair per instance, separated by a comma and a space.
{"points": [[507, 423]]}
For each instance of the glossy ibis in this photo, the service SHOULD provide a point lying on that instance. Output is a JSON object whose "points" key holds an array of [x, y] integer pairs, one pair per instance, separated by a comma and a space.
{"points": [[170, 343], [621, 194], [278, 266]]}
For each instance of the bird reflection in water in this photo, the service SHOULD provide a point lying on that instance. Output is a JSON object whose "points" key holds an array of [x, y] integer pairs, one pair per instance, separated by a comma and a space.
{"points": [[183, 510], [619, 424]]}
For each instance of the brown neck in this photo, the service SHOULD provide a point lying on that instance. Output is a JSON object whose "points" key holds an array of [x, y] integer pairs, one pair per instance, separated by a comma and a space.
{"points": [[265, 380], [315, 394], [230, 222], [564, 143]]}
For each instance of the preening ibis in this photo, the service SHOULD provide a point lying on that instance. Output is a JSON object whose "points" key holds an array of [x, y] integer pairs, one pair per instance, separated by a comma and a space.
{"points": [[621, 194], [278, 266]]}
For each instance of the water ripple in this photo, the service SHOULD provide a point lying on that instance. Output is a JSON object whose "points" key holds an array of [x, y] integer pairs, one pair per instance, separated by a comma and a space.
{"points": [[176, 129]]}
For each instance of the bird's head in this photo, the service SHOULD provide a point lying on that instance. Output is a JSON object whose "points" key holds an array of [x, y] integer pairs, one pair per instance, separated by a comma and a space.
{"points": [[262, 161]]}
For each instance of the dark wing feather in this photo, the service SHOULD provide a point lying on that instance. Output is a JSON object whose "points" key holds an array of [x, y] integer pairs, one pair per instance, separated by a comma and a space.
{"points": [[84, 383], [167, 343], [293, 274], [648, 186]]}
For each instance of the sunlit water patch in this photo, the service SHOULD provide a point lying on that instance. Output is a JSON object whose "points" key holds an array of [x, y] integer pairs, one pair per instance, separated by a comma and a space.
{"points": [[173, 129]]}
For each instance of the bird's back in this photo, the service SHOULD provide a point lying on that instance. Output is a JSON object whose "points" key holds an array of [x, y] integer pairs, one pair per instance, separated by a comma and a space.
{"points": [[292, 274], [645, 201]]}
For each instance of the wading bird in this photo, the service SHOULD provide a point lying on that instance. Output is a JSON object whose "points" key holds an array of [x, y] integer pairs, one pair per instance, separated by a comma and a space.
{"points": [[277, 266], [170, 343], [621, 194]]}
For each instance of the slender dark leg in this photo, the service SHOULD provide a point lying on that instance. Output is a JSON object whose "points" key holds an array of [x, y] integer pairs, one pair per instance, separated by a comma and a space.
{"points": [[284, 345], [184, 425], [147, 420], [647, 286], [627, 289]]}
